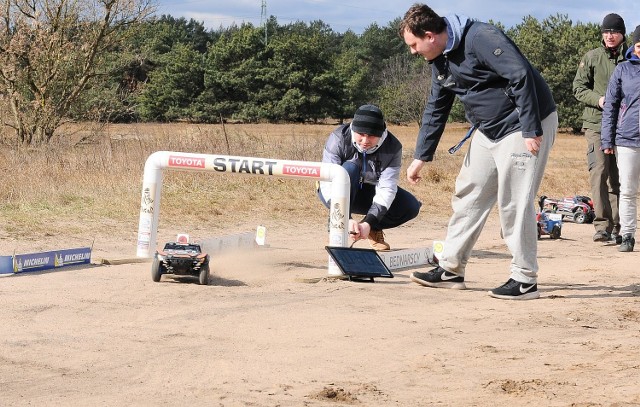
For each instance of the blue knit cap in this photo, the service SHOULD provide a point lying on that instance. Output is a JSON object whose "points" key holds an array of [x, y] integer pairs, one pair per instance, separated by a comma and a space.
{"points": [[636, 36]]}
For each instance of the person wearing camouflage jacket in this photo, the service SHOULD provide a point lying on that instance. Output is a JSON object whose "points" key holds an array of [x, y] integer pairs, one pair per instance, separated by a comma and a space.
{"points": [[589, 87]]}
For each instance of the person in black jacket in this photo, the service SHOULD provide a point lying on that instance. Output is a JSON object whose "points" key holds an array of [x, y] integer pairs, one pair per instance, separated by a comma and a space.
{"points": [[514, 123], [372, 157]]}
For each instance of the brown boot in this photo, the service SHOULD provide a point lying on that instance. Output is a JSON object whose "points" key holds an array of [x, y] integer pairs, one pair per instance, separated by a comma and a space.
{"points": [[376, 241]]}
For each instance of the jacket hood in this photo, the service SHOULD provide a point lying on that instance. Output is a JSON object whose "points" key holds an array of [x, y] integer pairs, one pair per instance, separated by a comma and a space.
{"points": [[455, 29], [630, 55]]}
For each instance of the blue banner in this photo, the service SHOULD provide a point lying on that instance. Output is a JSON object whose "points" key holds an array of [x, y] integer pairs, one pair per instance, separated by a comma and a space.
{"points": [[6, 264], [50, 260]]}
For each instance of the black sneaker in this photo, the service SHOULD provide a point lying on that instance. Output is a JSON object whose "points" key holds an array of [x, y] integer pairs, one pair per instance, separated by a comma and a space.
{"points": [[617, 237], [439, 278], [515, 290], [628, 241], [601, 236]]}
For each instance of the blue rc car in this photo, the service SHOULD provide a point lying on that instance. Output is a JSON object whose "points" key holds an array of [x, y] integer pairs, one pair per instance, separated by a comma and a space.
{"points": [[549, 224]]}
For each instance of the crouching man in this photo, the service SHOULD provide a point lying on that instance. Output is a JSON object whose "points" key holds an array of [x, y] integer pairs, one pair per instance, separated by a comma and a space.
{"points": [[372, 157]]}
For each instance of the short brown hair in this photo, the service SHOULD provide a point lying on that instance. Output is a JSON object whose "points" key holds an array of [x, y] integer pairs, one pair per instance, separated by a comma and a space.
{"points": [[419, 19]]}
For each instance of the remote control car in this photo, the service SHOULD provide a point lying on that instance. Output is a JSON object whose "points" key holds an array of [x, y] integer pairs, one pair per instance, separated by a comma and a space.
{"points": [[578, 208], [549, 224], [181, 258]]}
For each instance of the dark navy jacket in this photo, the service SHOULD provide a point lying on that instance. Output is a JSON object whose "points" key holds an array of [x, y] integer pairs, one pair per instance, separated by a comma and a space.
{"points": [[500, 90], [621, 114]]}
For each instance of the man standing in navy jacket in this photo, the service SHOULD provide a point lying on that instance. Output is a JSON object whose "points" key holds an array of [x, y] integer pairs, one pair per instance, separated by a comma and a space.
{"points": [[514, 121], [621, 136]]}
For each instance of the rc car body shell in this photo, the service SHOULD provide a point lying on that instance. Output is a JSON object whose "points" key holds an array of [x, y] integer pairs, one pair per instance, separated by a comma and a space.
{"points": [[578, 208], [549, 224], [181, 259]]}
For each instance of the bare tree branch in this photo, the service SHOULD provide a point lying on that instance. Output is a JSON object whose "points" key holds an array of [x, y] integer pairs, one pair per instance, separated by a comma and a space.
{"points": [[50, 50]]}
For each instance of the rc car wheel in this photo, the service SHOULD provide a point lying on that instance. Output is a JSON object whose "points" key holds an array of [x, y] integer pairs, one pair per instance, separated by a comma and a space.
{"points": [[579, 216], [203, 277], [156, 270], [555, 232]]}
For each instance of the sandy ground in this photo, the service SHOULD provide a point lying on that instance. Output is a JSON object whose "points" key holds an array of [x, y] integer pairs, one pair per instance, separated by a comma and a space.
{"points": [[262, 335]]}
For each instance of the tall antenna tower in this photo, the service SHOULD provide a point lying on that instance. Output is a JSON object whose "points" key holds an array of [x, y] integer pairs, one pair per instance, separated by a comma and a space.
{"points": [[263, 19]]}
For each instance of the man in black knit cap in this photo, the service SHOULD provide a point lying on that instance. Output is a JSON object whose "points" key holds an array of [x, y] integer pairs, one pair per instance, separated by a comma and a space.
{"points": [[372, 157], [589, 87]]}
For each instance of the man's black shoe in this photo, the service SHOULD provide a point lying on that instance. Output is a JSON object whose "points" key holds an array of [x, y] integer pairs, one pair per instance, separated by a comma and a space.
{"points": [[515, 290], [439, 278], [628, 241], [601, 236], [617, 237]]}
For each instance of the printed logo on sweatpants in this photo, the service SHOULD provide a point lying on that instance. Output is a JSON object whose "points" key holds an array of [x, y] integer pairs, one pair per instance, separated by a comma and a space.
{"points": [[520, 160]]}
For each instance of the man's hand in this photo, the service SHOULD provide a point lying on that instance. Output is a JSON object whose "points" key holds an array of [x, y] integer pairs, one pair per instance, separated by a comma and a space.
{"points": [[609, 151], [533, 144], [413, 172], [358, 231]]}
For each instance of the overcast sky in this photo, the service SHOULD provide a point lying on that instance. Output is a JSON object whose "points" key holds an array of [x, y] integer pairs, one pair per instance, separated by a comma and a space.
{"points": [[342, 15]]}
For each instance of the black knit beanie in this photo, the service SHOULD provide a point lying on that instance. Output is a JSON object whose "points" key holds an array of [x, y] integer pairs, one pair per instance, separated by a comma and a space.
{"points": [[636, 36], [613, 22], [368, 120]]}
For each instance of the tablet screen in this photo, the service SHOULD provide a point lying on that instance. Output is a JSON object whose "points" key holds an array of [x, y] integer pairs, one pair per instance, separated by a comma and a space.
{"points": [[359, 262]]}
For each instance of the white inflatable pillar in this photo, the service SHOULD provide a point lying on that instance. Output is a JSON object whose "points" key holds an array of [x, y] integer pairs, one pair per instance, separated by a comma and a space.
{"points": [[316, 171]]}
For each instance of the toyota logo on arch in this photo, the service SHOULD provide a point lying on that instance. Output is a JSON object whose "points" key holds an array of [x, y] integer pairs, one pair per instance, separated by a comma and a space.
{"points": [[301, 170], [186, 162]]}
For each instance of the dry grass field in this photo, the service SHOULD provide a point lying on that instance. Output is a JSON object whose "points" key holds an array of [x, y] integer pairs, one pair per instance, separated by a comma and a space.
{"points": [[89, 179]]}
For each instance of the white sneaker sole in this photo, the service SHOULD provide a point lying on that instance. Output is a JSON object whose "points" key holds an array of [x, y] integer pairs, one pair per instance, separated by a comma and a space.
{"points": [[527, 296]]}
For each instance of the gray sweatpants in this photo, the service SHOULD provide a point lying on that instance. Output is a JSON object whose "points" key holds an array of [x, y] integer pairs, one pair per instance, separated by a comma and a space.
{"points": [[506, 173], [629, 166]]}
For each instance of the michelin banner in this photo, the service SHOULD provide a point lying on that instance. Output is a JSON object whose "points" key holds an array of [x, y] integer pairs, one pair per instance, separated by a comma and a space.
{"points": [[21, 263], [6, 264]]}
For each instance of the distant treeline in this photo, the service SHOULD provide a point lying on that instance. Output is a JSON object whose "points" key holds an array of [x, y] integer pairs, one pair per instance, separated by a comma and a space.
{"points": [[176, 70]]}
